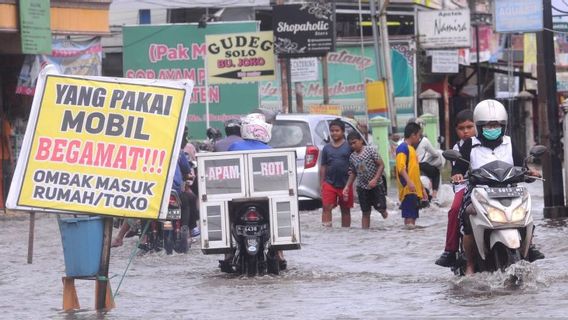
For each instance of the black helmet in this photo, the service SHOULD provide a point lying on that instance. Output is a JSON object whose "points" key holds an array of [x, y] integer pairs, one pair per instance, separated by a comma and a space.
{"points": [[233, 127], [214, 134]]}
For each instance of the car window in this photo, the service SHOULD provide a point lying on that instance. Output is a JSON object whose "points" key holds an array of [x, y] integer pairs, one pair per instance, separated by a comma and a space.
{"points": [[321, 133], [348, 128], [290, 134]]}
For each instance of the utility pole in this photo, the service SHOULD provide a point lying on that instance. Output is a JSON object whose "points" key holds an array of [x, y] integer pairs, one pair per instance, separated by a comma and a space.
{"points": [[387, 59], [548, 124], [285, 90]]}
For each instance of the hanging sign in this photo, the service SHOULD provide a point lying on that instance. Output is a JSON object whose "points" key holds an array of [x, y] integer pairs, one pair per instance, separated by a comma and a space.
{"points": [[306, 29], [240, 57], [98, 145], [445, 61], [35, 26], [444, 29]]}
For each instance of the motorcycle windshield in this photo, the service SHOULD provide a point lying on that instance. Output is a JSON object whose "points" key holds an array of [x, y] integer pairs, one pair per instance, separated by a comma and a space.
{"points": [[499, 172]]}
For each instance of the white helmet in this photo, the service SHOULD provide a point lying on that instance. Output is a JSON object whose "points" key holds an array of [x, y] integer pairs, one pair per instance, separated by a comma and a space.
{"points": [[254, 127], [488, 111]]}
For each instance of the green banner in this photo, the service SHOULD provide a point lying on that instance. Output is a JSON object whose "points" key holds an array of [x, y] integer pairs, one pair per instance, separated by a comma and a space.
{"points": [[349, 67], [177, 51], [35, 26]]}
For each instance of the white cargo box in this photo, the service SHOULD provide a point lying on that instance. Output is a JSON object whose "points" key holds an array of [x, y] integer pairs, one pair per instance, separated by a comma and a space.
{"points": [[228, 177]]}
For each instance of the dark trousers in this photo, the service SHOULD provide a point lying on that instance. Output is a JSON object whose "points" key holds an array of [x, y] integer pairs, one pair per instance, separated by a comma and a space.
{"points": [[189, 212], [432, 173]]}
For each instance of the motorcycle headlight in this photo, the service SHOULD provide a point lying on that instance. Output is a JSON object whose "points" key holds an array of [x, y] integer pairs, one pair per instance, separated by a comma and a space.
{"points": [[519, 212], [496, 215]]}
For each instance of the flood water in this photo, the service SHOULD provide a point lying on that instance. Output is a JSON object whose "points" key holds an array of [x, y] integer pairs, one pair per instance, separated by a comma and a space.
{"points": [[340, 273]]}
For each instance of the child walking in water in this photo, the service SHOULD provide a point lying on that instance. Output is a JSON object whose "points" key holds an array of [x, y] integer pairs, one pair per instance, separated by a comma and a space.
{"points": [[333, 175], [366, 165], [410, 190]]}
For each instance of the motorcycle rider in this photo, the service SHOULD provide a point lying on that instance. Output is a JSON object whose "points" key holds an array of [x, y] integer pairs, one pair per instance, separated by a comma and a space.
{"points": [[465, 129], [233, 134], [490, 144], [256, 133]]}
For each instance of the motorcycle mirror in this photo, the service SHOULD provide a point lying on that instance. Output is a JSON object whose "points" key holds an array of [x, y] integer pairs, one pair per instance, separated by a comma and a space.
{"points": [[537, 150], [452, 155]]}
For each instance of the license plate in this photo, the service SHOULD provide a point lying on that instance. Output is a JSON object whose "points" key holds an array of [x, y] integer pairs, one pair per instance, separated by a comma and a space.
{"points": [[247, 230], [173, 214], [514, 192]]}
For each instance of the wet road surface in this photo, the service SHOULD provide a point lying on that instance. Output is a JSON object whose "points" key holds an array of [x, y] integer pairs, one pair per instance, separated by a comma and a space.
{"points": [[340, 273]]}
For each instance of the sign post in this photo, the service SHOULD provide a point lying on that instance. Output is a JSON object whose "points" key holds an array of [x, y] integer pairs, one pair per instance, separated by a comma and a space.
{"points": [[305, 30]]}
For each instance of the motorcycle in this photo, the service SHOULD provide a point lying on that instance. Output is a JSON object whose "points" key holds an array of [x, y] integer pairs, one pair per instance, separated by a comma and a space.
{"points": [[249, 208], [250, 229], [501, 219], [168, 234]]}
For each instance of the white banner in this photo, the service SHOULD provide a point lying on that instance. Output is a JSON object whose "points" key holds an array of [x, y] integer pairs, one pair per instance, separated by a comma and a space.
{"points": [[444, 29], [304, 69], [445, 61]]}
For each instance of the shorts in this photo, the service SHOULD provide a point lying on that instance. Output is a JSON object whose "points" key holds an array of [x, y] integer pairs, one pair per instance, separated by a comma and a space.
{"points": [[410, 206], [375, 198], [334, 196]]}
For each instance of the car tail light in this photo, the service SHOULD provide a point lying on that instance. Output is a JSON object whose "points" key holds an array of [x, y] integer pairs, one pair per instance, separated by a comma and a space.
{"points": [[252, 215], [311, 159]]}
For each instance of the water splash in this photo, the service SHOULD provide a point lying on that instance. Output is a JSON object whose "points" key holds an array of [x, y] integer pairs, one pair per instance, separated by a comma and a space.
{"points": [[522, 276]]}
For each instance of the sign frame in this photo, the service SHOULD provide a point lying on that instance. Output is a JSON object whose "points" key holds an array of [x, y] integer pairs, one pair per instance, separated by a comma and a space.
{"points": [[35, 26], [442, 29], [71, 139], [249, 57], [523, 16], [304, 30]]}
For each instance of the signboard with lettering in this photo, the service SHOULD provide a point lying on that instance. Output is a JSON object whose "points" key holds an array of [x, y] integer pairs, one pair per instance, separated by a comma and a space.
{"points": [[304, 69], [306, 29], [444, 29], [99, 145], [518, 16], [35, 26], [177, 51], [240, 57], [445, 61]]}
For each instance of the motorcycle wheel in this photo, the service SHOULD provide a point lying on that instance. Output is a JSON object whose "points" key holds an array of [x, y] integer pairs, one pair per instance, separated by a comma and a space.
{"points": [[504, 257], [169, 242], [251, 264]]}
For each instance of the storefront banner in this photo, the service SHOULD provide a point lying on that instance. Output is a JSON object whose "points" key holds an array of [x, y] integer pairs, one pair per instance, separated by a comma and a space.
{"points": [[306, 29], [325, 109], [177, 51], [145, 4], [530, 53], [240, 57], [98, 145], [518, 16], [350, 69], [444, 29], [79, 58]]}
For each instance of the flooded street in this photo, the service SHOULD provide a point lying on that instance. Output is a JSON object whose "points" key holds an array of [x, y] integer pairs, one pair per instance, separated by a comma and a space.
{"points": [[339, 273]]}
